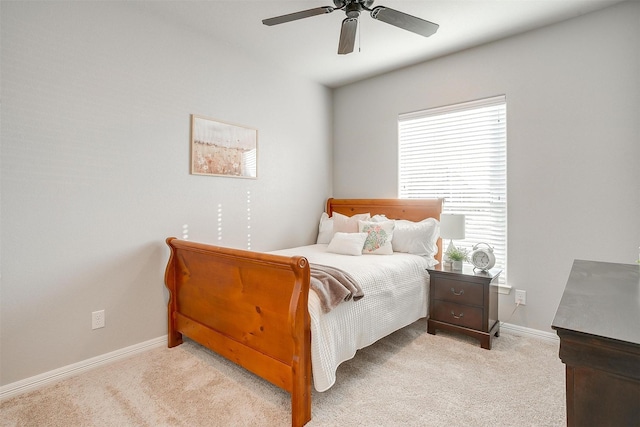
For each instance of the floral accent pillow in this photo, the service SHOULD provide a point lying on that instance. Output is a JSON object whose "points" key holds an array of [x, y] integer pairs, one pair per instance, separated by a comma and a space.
{"points": [[379, 235]]}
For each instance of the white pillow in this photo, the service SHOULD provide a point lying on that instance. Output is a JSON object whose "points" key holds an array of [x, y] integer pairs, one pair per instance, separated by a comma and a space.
{"points": [[431, 261], [347, 243], [379, 236], [418, 238], [325, 229], [347, 224]]}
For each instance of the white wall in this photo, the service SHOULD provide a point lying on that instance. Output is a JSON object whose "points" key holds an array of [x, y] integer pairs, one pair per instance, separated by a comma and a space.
{"points": [[573, 118], [96, 104]]}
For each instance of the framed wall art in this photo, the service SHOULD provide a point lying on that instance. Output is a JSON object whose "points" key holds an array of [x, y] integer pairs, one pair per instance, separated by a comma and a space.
{"points": [[223, 149]]}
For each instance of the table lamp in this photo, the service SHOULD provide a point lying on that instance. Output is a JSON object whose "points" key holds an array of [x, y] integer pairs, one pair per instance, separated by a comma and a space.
{"points": [[452, 227]]}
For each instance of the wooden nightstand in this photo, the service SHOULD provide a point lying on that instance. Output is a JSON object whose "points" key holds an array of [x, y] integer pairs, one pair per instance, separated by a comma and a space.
{"points": [[464, 301]]}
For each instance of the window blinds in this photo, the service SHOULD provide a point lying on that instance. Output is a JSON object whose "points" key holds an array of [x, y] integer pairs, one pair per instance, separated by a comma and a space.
{"points": [[458, 153]]}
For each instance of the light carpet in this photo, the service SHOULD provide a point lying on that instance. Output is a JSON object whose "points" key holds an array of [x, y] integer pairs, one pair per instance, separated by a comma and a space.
{"points": [[409, 378]]}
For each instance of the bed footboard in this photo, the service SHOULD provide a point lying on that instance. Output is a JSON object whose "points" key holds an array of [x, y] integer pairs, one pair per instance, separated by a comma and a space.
{"points": [[247, 306]]}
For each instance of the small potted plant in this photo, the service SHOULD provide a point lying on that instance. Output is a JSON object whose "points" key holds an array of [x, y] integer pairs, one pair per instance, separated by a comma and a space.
{"points": [[457, 256]]}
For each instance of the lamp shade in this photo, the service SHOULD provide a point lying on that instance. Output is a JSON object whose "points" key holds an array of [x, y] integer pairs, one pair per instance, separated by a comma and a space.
{"points": [[452, 226]]}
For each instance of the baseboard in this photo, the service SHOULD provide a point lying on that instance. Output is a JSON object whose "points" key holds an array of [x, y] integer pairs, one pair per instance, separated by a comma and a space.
{"points": [[38, 381], [528, 332]]}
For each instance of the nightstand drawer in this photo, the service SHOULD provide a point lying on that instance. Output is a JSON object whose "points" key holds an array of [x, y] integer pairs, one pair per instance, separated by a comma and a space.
{"points": [[459, 292], [457, 314]]}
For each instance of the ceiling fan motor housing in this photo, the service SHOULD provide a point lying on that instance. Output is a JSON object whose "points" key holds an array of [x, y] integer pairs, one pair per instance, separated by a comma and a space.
{"points": [[354, 7], [353, 4]]}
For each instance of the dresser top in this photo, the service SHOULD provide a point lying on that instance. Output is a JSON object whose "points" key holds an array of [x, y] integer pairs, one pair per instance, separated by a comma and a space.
{"points": [[602, 299]]}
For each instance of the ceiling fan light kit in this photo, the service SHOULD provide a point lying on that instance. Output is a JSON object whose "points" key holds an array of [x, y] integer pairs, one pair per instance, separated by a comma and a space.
{"points": [[349, 28]]}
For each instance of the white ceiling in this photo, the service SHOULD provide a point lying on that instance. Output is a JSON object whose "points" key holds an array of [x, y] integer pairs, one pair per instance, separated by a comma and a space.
{"points": [[308, 47]]}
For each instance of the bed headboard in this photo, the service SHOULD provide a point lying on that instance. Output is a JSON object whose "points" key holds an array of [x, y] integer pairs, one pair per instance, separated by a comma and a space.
{"points": [[410, 209]]}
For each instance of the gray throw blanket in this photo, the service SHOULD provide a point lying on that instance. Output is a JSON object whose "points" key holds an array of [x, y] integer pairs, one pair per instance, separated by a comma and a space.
{"points": [[333, 286]]}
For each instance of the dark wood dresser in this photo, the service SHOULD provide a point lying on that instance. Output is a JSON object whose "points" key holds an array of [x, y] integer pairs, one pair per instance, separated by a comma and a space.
{"points": [[464, 301], [598, 322]]}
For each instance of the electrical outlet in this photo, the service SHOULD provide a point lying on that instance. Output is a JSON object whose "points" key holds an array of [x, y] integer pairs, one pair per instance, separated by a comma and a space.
{"points": [[521, 297], [97, 319]]}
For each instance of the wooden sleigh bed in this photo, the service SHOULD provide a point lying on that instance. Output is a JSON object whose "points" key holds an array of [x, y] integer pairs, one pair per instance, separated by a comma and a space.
{"points": [[252, 307]]}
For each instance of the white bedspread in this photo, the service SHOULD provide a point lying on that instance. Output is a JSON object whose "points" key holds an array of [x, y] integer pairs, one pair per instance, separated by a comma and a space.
{"points": [[395, 295]]}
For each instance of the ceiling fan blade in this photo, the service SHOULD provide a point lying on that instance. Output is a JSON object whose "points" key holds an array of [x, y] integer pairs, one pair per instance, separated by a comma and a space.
{"points": [[298, 15], [347, 36], [404, 21]]}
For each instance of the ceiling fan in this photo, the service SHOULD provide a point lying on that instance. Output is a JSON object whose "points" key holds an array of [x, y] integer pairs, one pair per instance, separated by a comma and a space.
{"points": [[350, 24]]}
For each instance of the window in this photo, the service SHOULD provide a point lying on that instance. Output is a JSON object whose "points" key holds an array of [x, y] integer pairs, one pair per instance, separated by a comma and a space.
{"points": [[458, 153]]}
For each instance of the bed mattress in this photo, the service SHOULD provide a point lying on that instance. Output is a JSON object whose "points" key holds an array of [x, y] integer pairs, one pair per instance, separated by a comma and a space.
{"points": [[395, 295]]}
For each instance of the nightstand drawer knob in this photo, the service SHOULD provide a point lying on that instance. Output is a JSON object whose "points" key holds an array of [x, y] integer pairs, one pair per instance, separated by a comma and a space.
{"points": [[453, 291], [459, 316]]}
